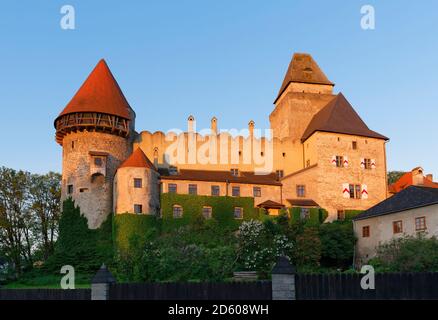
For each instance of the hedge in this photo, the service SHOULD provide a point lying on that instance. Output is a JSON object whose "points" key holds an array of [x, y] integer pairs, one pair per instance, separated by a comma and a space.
{"points": [[222, 209], [126, 226], [317, 215], [350, 214]]}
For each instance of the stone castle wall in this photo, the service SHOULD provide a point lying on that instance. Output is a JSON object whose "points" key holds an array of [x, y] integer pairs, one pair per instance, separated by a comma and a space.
{"points": [[92, 194]]}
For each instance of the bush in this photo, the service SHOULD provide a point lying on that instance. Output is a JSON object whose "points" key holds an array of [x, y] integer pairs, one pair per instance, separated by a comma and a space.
{"points": [[78, 246], [337, 244], [407, 254]]}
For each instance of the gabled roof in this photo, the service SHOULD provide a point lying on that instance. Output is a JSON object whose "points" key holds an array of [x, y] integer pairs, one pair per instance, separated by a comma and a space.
{"points": [[269, 204], [338, 116], [409, 198], [99, 93], [303, 203], [304, 69], [137, 160], [223, 176]]}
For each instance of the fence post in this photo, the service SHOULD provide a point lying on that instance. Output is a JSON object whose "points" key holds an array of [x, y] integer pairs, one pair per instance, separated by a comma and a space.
{"points": [[283, 280], [100, 284]]}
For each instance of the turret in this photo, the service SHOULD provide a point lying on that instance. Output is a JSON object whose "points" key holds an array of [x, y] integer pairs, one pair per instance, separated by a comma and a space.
{"points": [[95, 130]]}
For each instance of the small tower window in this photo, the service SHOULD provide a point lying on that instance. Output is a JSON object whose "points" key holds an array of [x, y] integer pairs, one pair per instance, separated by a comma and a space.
{"points": [[284, 154], [354, 145], [70, 189], [138, 208], [72, 144], [138, 183], [98, 162]]}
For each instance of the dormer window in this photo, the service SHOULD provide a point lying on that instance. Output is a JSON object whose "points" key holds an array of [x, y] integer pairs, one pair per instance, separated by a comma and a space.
{"points": [[234, 172]]}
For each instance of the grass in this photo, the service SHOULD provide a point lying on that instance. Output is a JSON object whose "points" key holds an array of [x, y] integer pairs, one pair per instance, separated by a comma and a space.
{"points": [[47, 281]]}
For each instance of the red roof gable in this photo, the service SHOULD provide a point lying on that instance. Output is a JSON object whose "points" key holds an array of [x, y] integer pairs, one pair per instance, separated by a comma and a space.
{"points": [[137, 160], [406, 180], [99, 93]]}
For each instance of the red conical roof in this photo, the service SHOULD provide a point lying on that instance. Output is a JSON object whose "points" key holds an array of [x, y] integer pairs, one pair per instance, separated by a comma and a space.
{"points": [[137, 160], [99, 93]]}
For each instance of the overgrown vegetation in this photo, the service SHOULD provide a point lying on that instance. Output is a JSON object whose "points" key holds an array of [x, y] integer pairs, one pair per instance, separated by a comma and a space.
{"points": [[407, 254]]}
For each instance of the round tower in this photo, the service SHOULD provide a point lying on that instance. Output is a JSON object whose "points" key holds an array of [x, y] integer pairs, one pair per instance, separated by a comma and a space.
{"points": [[95, 130]]}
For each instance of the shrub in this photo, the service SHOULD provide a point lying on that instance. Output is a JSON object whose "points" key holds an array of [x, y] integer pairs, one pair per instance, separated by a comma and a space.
{"points": [[407, 254], [337, 244]]}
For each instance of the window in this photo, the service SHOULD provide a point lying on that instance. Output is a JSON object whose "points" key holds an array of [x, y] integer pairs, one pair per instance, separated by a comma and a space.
{"points": [[177, 211], [257, 192], [234, 172], [354, 145], [72, 144], [206, 212], [83, 190], [305, 213], [341, 214], [138, 208], [365, 231], [308, 163], [355, 191], [284, 154], [193, 189], [301, 190], [420, 223], [215, 190], [397, 226], [172, 188], [238, 213], [70, 189], [339, 161], [280, 174], [98, 162], [236, 191], [367, 163], [137, 183]]}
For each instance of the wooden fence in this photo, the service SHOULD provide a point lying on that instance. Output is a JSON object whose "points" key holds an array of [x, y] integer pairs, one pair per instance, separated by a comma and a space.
{"points": [[256, 290], [388, 286]]}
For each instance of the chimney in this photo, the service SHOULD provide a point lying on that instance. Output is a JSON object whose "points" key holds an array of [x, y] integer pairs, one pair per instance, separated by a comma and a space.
{"points": [[191, 124], [417, 176], [429, 177], [213, 125], [251, 128]]}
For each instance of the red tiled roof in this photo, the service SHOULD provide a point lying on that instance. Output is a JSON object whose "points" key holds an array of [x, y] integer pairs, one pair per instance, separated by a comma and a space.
{"points": [[406, 180], [303, 68], [137, 159], [338, 116], [223, 176], [99, 93]]}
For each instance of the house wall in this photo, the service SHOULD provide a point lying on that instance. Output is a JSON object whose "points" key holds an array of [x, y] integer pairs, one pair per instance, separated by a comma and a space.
{"points": [[381, 229]]}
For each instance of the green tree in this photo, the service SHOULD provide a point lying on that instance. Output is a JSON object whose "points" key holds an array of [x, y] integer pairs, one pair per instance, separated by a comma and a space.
{"points": [[393, 176]]}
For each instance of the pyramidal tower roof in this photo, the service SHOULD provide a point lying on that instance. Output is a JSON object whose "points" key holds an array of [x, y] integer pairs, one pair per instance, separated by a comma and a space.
{"points": [[304, 69], [99, 93], [137, 160], [338, 116]]}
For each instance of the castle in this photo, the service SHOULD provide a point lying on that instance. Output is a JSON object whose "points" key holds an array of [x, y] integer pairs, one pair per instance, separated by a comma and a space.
{"points": [[320, 154]]}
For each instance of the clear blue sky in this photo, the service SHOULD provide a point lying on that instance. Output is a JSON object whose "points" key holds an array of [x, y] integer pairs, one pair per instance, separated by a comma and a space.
{"points": [[222, 58]]}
